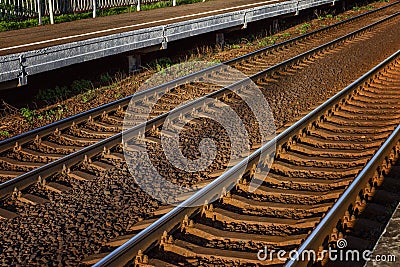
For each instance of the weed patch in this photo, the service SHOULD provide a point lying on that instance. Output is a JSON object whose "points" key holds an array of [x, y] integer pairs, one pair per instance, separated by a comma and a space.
{"points": [[303, 28], [4, 133]]}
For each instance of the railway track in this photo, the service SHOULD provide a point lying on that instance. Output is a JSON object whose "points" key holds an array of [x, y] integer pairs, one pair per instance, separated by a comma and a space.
{"points": [[28, 154], [105, 152], [359, 217], [67, 141], [36, 148], [327, 166]]}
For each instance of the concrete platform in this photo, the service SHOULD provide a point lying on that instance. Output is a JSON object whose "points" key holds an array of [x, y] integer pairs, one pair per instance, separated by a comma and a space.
{"points": [[40, 49]]}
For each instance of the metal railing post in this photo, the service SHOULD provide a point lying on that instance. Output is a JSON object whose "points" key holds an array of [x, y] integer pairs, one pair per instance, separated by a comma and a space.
{"points": [[39, 7], [94, 8], [51, 11]]}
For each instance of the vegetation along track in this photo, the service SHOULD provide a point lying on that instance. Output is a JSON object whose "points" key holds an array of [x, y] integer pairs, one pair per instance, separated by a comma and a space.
{"points": [[35, 148], [319, 159]]}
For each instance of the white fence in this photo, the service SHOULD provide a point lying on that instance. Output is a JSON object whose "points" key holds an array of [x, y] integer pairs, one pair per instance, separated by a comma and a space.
{"points": [[15, 9]]}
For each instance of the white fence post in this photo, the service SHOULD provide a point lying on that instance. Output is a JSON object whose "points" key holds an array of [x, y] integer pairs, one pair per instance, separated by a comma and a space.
{"points": [[39, 7], [51, 11], [138, 5], [173, 2], [94, 8]]}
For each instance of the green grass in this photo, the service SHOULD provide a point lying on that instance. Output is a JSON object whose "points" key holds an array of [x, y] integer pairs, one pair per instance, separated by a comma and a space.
{"points": [[160, 64], [7, 24], [369, 7], [4, 133], [155, 5], [303, 28], [233, 46], [28, 114], [56, 94], [79, 85], [285, 35], [88, 96], [105, 78], [60, 93], [269, 40], [55, 113], [328, 16]]}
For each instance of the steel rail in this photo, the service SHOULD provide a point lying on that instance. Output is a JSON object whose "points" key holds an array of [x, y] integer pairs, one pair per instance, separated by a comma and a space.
{"points": [[330, 220], [29, 178], [43, 131], [149, 236]]}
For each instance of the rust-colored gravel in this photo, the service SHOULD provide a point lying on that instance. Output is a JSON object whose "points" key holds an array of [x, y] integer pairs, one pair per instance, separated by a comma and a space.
{"points": [[74, 225], [13, 123]]}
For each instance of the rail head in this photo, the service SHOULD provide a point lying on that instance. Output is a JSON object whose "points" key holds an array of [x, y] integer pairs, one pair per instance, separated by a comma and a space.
{"points": [[329, 222], [78, 118], [150, 235], [31, 177], [229, 177], [331, 219]]}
